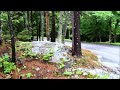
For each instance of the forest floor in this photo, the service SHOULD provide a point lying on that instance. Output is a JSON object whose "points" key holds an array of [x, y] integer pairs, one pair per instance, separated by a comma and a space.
{"points": [[41, 64]]}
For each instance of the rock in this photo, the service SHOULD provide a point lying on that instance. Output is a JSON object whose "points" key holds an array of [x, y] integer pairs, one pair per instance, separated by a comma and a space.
{"points": [[85, 73], [76, 76], [92, 71], [48, 71], [37, 69], [35, 49]]}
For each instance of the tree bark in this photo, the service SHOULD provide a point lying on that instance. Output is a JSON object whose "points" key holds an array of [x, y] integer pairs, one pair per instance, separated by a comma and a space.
{"points": [[39, 33], [53, 27], [76, 42], [28, 18], [37, 24], [110, 31], [65, 25], [32, 25], [42, 24], [12, 37], [60, 27], [115, 29], [47, 26], [0, 30], [24, 18]]}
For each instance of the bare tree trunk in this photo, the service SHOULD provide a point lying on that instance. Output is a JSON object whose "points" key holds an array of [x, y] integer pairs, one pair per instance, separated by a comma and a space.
{"points": [[110, 31], [0, 30], [53, 27], [76, 42], [24, 18], [69, 34], [42, 24], [38, 25], [60, 28], [39, 33], [32, 25], [115, 29], [65, 26], [99, 38], [28, 18], [12, 37], [47, 26], [66, 22]]}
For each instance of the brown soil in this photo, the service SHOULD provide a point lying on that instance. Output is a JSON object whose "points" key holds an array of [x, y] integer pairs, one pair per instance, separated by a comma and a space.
{"points": [[4, 48], [46, 70]]}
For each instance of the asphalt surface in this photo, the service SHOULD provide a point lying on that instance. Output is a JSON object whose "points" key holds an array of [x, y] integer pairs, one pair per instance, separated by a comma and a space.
{"points": [[108, 54]]}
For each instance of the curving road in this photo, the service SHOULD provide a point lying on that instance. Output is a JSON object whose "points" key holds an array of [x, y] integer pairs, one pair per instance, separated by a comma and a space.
{"points": [[109, 54]]}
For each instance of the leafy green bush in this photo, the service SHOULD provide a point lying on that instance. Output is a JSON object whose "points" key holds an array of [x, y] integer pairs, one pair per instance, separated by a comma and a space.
{"points": [[24, 32], [1, 61], [30, 54], [46, 57], [90, 75], [68, 73], [28, 75], [6, 57], [79, 72], [6, 37], [25, 35], [61, 65], [8, 66], [105, 76]]}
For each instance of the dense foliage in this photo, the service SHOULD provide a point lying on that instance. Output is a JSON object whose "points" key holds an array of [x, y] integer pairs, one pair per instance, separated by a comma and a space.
{"points": [[94, 25]]}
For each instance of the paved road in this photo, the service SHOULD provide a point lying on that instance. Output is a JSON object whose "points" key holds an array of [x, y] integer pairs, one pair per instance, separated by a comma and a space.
{"points": [[110, 55]]}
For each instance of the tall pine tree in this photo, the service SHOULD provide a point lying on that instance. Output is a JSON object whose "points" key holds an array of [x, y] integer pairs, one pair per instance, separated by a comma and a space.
{"points": [[76, 42]]}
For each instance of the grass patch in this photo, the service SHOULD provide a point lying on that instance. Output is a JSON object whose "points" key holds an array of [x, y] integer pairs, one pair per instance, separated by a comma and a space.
{"points": [[89, 59], [68, 40], [107, 43]]}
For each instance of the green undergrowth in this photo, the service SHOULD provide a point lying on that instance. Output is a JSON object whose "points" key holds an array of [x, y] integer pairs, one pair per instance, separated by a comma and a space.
{"points": [[24, 50], [6, 64], [87, 75]]}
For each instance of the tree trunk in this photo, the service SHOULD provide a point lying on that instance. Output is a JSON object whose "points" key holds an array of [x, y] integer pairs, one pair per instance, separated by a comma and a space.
{"points": [[66, 22], [39, 33], [28, 18], [76, 42], [65, 25], [60, 27], [110, 31], [37, 24], [32, 25], [24, 18], [53, 27], [0, 30], [12, 37], [47, 26], [42, 24], [100, 38], [69, 36], [115, 29]]}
